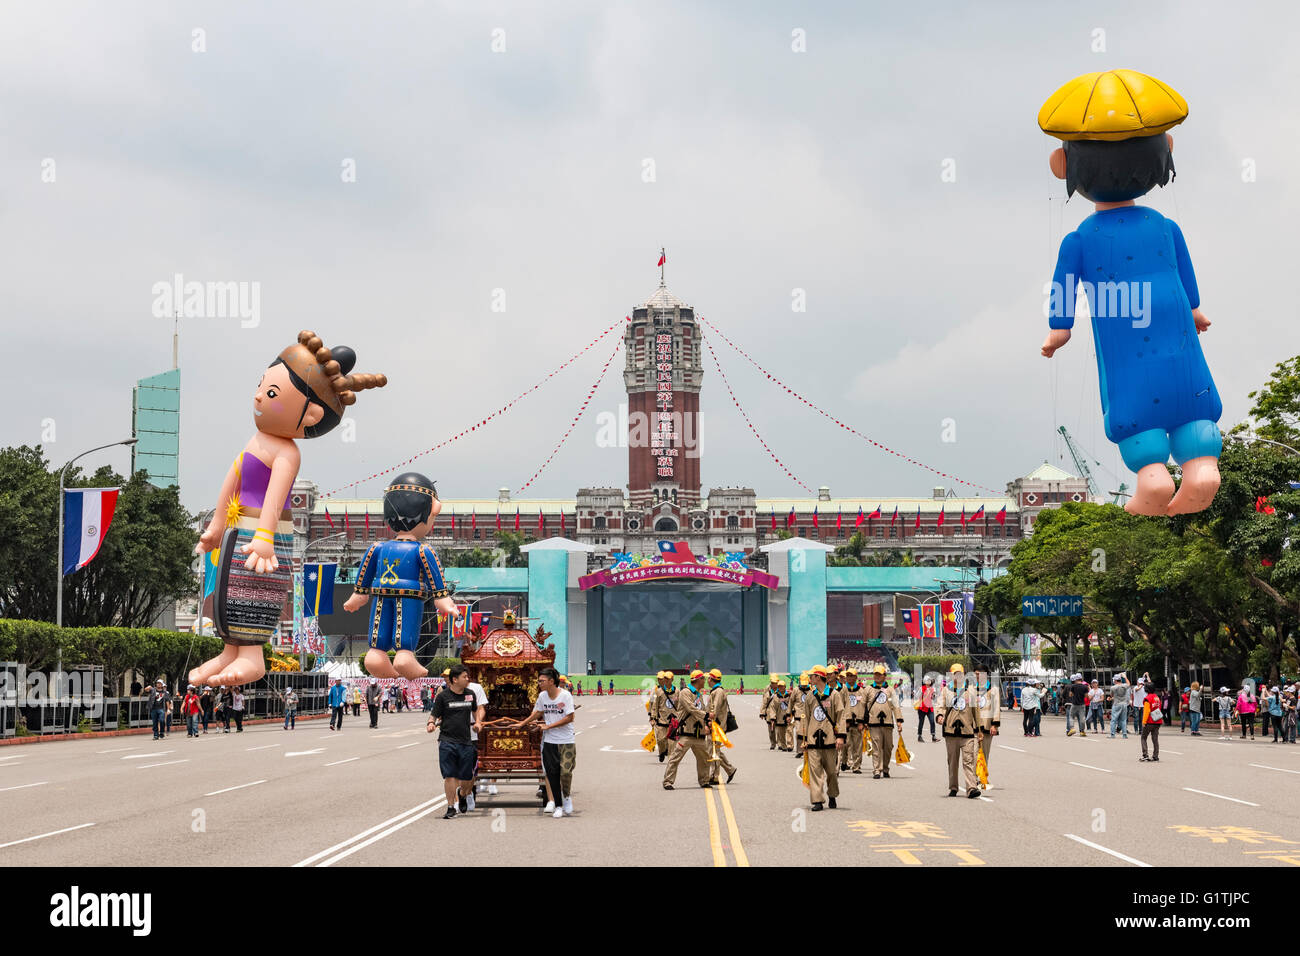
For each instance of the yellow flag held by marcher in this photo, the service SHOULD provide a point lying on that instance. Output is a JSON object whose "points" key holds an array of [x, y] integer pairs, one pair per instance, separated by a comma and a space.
{"points": [[803, 771], [719, 737], [982, 769], [866, 742], [648, 742], [900, 752]]}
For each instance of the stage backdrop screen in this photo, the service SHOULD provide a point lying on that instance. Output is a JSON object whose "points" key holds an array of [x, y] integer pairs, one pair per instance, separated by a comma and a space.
{"points": [[647, 628]]}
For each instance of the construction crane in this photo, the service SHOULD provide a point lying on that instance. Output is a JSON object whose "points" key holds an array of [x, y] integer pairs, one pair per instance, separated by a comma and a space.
{"points": [[1082, 464]]}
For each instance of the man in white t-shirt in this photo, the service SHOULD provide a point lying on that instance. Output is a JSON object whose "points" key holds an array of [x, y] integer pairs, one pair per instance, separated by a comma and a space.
{"points": [[554, 710]]}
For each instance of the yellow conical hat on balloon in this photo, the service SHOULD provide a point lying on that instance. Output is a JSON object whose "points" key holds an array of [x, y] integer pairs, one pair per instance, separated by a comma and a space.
{"points": [[1111, 106]]}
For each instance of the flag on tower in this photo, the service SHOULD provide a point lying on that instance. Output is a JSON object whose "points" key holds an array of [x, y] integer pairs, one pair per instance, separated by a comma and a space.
{"points": [[87, 513], [662, 259]]}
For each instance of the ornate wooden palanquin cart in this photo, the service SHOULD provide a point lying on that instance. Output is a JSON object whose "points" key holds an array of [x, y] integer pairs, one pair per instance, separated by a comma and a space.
{"points": [[506, 662]]}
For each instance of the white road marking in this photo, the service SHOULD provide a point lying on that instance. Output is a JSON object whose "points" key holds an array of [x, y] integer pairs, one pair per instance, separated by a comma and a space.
{"points": [[263, 747], [116, 750], [335, 763], [1016, 749], [986, 799], [13, 757], [610, 750], [442, 802], [240, 787], [365, 833], [305, 753], [404, 746], [1177, 753], [24, 786], [42, 836], [149, 756], [1103, 849], [1264, 766], [165, 763], [1091, 767], [1220, 796]]}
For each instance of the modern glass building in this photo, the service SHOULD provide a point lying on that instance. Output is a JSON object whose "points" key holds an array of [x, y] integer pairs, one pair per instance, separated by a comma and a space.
{"points": [[156, 425]]}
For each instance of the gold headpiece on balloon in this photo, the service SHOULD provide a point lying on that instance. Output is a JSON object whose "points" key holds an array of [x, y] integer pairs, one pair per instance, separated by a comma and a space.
{"points": [[1111, 106]]}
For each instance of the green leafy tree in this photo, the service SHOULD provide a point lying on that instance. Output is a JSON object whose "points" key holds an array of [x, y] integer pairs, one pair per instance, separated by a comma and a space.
{"points": [[143, 565]]}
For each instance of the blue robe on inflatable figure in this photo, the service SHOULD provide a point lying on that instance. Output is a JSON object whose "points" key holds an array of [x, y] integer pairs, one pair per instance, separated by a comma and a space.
{"points": [[1158, 398], [402, 574]]}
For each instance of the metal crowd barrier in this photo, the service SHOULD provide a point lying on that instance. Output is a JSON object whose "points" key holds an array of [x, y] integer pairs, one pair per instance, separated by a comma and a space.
{"points": [[8, 698]]}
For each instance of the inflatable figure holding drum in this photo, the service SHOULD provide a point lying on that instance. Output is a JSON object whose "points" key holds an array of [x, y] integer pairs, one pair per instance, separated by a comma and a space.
{"points": [[302, 394], [1157, 396]]}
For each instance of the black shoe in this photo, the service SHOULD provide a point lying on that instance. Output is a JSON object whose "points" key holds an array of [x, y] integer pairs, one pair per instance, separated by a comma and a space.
{"points": [[885, 773], [732, 774], [831, 803], [816, 807], [844, 768], [463, 805], [668, 786], [857, 771], [661, 757], [934, 739], [972, 794], [1144, 759], [771, 747], [1155, 759], [450, 814], [952, 793], [874, 776]]}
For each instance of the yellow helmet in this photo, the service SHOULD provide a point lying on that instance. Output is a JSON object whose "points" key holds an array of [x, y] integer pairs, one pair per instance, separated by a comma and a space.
{"points": [[1110, 106], [715, 674]]}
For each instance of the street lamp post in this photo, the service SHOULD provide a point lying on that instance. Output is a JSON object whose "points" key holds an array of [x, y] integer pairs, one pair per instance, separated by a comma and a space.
{"points": [[58, 590]]}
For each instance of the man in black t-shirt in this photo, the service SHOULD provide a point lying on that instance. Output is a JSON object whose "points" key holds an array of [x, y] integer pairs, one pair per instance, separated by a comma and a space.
{"points": [[456, 709], [1077, 697]]}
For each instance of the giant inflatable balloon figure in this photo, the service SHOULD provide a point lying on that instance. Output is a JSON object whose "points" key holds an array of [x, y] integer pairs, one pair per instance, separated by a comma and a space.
{"points": [[402, 573], [1157, 396], [302, 394]]}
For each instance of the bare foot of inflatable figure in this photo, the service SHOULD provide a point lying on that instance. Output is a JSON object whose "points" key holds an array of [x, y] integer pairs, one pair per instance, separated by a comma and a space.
{"points": [[406, 665], [1199, 485], [378, 664], [200, 674], [1155, 486], [248, 666]]}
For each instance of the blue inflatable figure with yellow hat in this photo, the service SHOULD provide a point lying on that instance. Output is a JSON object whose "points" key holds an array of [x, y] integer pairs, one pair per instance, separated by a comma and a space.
{"points": [[1157, 396]]}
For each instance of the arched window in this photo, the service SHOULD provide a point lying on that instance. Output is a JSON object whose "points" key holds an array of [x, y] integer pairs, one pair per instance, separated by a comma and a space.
{"points": [[666, 524]]}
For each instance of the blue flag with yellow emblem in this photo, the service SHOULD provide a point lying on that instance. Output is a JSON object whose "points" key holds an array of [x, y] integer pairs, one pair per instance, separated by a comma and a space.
{"points": [[318, 589]]}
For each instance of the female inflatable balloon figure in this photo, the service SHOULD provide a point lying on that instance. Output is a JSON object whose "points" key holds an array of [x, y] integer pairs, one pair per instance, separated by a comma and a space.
{"points": [[302, 394], [1157, 395], [402, 573]]}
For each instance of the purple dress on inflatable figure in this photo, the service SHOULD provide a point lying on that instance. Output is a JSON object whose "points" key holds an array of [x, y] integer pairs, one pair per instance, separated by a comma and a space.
{"points": [[301, 395]]}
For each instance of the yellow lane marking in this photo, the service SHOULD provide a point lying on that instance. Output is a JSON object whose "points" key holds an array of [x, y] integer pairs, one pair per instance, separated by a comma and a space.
{"points": [[715, 838], [736, 848]]}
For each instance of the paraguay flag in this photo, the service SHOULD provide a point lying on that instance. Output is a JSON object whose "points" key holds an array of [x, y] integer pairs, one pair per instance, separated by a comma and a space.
{"points": [[318, 589], [87, 513]]}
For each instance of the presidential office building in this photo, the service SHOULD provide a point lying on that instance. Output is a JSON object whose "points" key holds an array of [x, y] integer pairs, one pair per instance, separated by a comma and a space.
{"points": [[768, 598]]}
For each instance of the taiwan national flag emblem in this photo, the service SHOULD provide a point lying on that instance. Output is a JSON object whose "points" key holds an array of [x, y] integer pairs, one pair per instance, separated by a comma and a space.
{"points": [[498, 519], [963, 517], [874, 514], [861, 518], [942, 509], [1001, 516], [839, 519], [662, 259], [815, 524], [87, 513], [929, 620], [676, 552], [978, 513], [473, 521], [516, 519], [789, 519], [912, 621], [895, 517], [917, 525], [773, 519]]}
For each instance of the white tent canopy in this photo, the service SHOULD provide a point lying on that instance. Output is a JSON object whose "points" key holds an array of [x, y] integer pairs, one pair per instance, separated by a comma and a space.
{"points": [[342, 670]]}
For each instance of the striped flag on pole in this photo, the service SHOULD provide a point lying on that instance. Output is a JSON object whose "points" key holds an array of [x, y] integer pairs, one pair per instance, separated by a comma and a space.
{"points": [[87, 513]]}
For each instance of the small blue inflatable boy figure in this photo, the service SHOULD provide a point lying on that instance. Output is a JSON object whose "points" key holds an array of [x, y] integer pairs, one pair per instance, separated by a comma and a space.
{"points": [[1158, 398], [402, 574]]}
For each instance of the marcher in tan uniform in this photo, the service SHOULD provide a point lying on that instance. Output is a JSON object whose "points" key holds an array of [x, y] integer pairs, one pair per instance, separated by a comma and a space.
{"points": [[780, 717], [797, 694], [883, 714], [662, 705], [824, 732], [718, 711], [854, 701], [956, 709], [766, 700], [989, 702], [693, 734]]}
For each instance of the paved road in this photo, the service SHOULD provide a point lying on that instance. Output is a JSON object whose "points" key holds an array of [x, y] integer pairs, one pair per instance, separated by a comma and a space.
{"points": [[369, 797]]}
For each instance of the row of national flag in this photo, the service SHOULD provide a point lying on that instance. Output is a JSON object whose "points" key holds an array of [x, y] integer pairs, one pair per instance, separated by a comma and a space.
{"points": [[473, 521], [875, 515], [927, 620]]}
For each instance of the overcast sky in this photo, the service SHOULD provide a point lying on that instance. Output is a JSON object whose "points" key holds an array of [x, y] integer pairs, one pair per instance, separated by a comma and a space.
{"points": [[523, 170]]}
